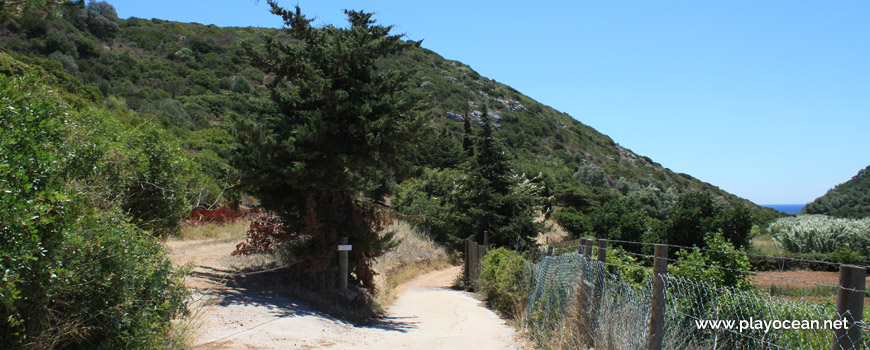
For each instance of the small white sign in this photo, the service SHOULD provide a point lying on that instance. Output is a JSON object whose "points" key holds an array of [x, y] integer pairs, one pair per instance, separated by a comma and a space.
{"points": [[344, 247]]}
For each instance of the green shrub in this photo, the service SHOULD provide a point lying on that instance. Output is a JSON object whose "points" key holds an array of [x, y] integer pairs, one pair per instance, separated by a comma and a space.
{"points": [[241, 86], [504, 279], [156, 192], [433, 195], [74, 273], [792, 261], [627, 267], [620, 219], [574, 221], [721, 265], [821, 234]]}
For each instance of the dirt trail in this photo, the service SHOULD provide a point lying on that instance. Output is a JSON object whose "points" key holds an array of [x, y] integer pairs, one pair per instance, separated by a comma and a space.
{"points": [[427, 313]]}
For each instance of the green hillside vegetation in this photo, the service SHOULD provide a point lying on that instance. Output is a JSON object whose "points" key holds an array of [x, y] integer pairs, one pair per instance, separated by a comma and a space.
{"points": [[112, 129], [850, 199], [194, 78], [83, 194]]}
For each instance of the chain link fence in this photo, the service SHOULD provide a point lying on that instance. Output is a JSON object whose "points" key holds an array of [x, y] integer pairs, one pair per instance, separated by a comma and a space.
{"points": [[575, 302]]}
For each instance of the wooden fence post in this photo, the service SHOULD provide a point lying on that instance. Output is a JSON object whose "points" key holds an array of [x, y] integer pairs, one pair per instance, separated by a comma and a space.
{"points": [[468, 261], [602, 250], [481, 251], [850, 299], [600, 271], [342, 264], [587, 249], [475, 261], [657, 311]]}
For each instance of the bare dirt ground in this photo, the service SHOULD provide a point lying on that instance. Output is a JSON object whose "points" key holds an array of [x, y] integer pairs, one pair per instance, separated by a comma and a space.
{"points": [[800, 279], [427, 313]]}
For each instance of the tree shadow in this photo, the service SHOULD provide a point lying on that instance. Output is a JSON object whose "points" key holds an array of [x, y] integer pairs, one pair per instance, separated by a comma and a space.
{"points": [[232, 290], [275, 291], [394, 324]]}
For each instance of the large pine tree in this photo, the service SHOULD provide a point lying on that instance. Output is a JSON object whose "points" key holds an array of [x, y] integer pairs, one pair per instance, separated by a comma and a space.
{"points": [[334, 126], [500, 206]]}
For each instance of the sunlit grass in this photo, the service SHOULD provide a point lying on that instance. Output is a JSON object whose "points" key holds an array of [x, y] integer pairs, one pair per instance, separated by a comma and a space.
{"points": [[415, 255], [213, 231], [763, 244]]}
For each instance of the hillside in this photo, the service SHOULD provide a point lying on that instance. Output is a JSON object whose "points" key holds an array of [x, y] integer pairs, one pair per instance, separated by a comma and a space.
{"points": [[193, 79], [850, 199]]}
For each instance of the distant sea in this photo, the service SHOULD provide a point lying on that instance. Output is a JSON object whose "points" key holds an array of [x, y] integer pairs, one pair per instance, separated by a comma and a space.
{"points": [[786, 208]]}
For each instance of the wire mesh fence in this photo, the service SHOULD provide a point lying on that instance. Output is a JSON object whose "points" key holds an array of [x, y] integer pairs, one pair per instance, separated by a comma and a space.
{"points": [[596, 307], [575, 302]]}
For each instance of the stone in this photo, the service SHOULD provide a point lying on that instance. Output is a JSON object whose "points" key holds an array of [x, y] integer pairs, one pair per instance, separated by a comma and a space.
{"points": [[454, 116], [348, 295]]}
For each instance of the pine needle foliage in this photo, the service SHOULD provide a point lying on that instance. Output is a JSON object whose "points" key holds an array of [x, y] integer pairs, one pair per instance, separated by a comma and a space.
{"points": [[333, 127], [500, 204]]}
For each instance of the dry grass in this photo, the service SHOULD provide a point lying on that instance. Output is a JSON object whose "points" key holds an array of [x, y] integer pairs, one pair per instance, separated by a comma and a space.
{"points": [[572, 331], [554, 234], [213, 231], [763, 244], [415, 255]]}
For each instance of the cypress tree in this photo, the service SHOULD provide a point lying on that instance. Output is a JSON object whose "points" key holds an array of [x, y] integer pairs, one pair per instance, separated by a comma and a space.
{"points": [[467, 137], [499, 203], [334, 125]]}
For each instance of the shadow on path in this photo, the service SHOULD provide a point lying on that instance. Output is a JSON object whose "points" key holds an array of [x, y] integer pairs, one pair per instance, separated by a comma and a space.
{"points": [[257, 290], [394, 324]]}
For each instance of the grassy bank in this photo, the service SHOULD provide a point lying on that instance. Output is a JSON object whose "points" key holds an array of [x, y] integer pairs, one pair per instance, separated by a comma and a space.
{"points": [[415, 255]]}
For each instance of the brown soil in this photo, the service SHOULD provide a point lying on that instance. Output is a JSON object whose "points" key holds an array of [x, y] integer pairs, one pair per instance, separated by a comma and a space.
{"points": [[789, 279], [801, 279]]}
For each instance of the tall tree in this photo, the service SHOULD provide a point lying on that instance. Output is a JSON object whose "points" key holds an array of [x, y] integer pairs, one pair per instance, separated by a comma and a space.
{"points": [[691, 220], [468, 136], [500, 205], [334, 124]]}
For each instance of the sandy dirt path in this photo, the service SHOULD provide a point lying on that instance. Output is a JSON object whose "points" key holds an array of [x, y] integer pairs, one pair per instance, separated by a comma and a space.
{"points": [[427, 314]]}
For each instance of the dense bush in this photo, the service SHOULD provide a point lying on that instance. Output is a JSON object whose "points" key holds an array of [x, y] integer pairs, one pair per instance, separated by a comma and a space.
{"points": [[504, 279], [620, 219], [156, 192], [723, 264], [240, 85], [102, 19], [433, 195], [821, 234], [697, 213], [574, 221], [75, 272]]}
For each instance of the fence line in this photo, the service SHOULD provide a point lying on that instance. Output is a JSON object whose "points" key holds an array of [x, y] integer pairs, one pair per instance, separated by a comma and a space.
{"points": [[473, 255], [571, 275], [721, 267], [830, 263], [756, 273]]}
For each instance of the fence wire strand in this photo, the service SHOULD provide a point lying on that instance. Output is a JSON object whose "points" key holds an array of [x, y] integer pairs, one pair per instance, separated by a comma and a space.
{"points": [[830, 263], [608, 311]]}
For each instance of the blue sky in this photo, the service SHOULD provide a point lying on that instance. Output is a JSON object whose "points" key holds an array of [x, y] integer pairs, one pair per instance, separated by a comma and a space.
{"points": [[769, 100]]}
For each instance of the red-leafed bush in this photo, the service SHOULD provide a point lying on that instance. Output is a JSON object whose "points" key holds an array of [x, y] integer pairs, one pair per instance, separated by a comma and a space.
{"points": [[266, 234]]}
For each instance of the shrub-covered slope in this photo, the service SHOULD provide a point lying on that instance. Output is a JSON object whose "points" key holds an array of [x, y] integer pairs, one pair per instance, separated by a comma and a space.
{"points": [[78, 187], [850, 199], [194, 78]]}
